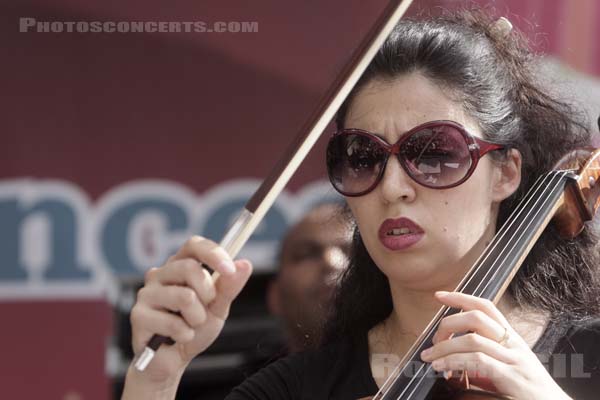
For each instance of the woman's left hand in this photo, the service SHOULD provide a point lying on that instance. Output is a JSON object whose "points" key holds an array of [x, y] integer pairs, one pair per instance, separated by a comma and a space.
{"points": [[493, 354]]}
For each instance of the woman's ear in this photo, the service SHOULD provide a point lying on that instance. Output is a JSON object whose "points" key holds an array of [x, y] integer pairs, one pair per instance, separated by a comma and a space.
{"points": [[508, 176]]}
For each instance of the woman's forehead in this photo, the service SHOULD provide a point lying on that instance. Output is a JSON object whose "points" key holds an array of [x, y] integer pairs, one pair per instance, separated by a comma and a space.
{"points": [[391, 108]]}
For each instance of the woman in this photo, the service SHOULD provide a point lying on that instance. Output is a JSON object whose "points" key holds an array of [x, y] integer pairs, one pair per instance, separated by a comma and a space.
{"points": [[419, 227]]}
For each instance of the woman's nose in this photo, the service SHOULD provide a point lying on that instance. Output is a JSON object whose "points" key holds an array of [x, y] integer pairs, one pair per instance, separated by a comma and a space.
{"points": [[396, 184]]}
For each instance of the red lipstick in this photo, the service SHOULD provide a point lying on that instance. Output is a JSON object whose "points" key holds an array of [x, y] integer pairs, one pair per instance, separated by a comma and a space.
{"points": [[399, 233]]}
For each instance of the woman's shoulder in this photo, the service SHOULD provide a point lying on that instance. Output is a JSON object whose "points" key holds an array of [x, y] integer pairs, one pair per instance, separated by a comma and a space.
{"points": [[566, 334], [575, 362], [584, 334], [577, 337], [583, 340], [310, 374]]}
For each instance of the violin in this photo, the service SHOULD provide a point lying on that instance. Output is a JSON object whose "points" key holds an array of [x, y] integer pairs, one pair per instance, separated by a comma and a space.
{"points": [[567, 196]]}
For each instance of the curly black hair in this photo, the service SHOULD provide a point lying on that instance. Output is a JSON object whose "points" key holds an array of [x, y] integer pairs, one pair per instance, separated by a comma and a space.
{"points": [[496, 79]]}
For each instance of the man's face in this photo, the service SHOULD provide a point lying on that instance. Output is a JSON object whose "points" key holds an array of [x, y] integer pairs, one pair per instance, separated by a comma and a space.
{"points": [[314, 253]]}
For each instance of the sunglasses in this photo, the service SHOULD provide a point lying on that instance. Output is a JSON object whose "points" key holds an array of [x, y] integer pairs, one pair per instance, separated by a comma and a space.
{"points": [[437, 155]]}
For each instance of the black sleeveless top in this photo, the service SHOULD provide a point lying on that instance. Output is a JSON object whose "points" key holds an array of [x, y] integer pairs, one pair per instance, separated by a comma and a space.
{"points": [[341, 370]]}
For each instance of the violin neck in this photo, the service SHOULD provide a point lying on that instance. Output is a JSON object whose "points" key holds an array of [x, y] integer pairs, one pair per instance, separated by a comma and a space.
{"points": [[494, 270]]}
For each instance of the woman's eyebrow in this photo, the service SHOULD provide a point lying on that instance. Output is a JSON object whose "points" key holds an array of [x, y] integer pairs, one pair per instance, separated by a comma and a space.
{"points": [[379, 135]]}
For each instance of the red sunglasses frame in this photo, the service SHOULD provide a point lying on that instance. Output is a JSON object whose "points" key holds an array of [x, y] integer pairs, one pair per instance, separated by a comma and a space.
{"points": [[477, 148]]}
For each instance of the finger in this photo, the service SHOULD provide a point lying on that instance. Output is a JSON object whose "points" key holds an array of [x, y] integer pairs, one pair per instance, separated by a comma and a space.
{"points": [[177, 299], [146, 322], [185, 272], [208, 252], [468, 343], [469, 321], [228, 287], [467, 302], [479, 366]]}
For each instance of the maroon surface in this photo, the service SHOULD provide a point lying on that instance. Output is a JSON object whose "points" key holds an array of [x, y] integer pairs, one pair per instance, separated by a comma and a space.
{"points": [[102, 109], [198, 108], [54, 349]]}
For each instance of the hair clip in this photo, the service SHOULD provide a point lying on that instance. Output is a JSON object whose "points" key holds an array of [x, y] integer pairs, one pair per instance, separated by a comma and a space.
{"points": [[501, 28]]}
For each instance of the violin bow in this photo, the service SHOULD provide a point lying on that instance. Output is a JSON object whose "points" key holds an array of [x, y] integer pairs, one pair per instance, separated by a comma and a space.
{"points": [[258, 205]]}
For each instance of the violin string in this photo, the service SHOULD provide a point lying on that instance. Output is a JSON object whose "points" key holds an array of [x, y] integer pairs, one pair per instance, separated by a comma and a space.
{"points": [[484, 279], [488, 281], [520, 207], [428, 369], [507, 245], [397, 371]]}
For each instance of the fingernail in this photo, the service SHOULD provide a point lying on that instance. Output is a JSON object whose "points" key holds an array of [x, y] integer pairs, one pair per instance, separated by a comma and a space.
{"points": [[442, 293], [447, 374], [228, 267], [426, 353]]}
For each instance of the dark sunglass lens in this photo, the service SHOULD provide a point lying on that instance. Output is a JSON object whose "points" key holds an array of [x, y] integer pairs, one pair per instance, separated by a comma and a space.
{"points": [[437, 156], [353, 162]]}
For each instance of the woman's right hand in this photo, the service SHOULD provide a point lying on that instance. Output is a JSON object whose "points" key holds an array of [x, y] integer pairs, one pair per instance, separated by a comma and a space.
{"points": [[183, 285]]}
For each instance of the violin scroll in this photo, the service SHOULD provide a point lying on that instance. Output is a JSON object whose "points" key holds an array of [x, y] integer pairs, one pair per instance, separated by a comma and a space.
{"points": [[582, 197]]}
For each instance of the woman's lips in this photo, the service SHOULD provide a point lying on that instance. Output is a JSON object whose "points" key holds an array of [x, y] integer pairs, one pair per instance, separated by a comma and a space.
{"points": [[411, 233]]}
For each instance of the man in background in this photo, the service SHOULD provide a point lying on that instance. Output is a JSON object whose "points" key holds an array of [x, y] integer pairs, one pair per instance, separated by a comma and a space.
{"points": [[311, 257]]}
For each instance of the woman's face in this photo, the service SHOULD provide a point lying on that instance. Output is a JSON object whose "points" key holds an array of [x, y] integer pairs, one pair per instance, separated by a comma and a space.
{"points": [[456, 223]]}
